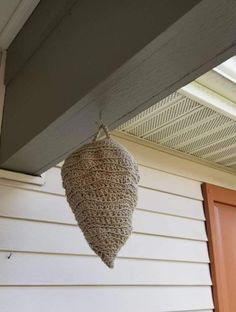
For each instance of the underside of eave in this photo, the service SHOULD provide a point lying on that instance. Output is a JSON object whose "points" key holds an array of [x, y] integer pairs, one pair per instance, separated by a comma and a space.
{"points": [[81, 64], [142, 142], [191, 128]]}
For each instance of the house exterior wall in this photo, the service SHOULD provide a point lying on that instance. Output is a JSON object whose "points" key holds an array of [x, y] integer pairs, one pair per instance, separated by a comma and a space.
{"points": [[46, 265]]}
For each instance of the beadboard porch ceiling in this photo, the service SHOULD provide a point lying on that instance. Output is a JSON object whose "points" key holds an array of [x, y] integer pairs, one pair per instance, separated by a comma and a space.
{"points": [[198, 120]]}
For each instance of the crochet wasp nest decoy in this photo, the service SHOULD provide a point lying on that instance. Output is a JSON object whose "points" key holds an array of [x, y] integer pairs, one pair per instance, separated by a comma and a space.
{"points": [[100, 180]]}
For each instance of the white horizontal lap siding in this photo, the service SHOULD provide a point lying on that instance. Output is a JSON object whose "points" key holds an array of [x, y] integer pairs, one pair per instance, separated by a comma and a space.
{"points": [[28, 236], [105, 298], [51, 267], [29, 204], [48, 269]]}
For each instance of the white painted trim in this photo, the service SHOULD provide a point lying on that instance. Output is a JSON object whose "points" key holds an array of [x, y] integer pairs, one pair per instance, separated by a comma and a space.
{"points": [[170, 151], [218, 84], [2, 86], [21, 177], [16, 22], [165, 159], [209, 98], [228, 69]]}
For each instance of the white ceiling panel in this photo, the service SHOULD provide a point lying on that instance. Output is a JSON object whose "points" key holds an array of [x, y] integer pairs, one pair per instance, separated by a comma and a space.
{"points": [[182, 124]]}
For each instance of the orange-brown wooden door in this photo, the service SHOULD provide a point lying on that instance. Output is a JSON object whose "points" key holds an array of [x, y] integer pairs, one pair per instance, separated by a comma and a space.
{"points": [[220, 210]]}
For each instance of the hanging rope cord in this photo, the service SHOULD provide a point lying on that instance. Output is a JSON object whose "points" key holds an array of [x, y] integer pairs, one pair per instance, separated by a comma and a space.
{"points": [[106, 131]]}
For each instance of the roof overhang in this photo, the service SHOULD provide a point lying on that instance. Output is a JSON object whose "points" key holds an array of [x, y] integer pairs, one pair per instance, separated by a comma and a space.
{"points": [[107, 57]]}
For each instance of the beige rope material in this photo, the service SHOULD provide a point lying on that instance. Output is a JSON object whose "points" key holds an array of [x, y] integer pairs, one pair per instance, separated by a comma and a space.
{"points": [[100, 180], [105, 129]]}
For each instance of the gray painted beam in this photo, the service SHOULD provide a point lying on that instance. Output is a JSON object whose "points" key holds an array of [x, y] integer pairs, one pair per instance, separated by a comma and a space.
{"points": [[118, 57], [44, 19]]}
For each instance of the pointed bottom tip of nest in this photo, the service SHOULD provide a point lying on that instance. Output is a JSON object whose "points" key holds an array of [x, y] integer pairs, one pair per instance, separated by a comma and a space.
{"points": [[110, 266], [109, 263]]}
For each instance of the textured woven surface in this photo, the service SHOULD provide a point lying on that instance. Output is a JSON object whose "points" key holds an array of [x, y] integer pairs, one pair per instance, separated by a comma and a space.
{"points": [[100, 180]]}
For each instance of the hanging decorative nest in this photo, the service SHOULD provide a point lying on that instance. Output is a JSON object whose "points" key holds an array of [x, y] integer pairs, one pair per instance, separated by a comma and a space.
{"points": [[100, 180]]}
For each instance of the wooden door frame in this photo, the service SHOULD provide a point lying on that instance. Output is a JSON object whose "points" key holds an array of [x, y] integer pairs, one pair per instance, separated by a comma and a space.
{"points": [[213, 194]]}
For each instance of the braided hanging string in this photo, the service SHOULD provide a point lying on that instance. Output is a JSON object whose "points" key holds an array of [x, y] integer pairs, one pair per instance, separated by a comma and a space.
{"points": [[100, 180], [105, 129]]}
